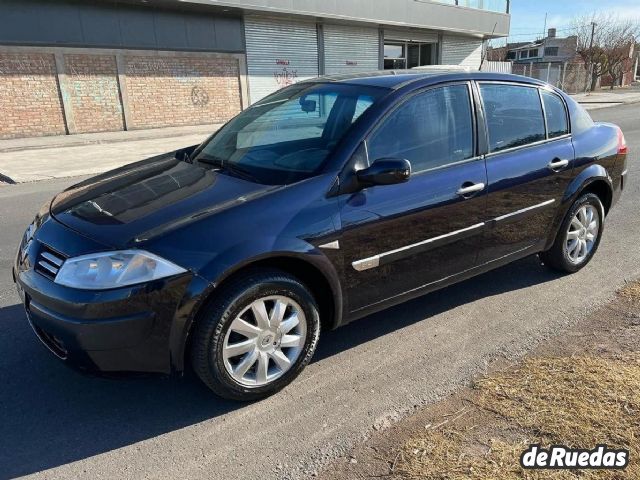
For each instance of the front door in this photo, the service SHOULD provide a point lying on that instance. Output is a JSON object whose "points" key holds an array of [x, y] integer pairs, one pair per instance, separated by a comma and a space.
{"points": [[529, 166], [400, 238]]}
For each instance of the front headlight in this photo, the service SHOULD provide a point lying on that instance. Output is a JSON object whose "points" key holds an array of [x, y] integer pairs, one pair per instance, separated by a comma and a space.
{"points": [[101, 271]]}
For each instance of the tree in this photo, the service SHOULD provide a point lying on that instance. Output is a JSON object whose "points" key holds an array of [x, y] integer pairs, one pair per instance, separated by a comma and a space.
{"points": [[605, 43]]}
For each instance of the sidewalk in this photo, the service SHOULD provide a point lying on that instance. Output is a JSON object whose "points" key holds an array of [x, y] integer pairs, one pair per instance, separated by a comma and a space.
{"points": [[608, 98], [41, 158]]}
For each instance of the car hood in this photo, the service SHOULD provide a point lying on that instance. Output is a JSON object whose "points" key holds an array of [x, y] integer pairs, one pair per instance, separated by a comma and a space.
{"points": [[127, 206]]}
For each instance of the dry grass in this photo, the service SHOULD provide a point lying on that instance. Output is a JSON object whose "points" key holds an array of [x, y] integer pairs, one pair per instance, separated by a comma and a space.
{"points": [[631, 291], [578, 402]]}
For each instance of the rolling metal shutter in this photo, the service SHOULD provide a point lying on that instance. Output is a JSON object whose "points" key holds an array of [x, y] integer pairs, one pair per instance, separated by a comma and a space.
{"points": [[410, 35], [279, 53], [349, 49], [465, 51]]}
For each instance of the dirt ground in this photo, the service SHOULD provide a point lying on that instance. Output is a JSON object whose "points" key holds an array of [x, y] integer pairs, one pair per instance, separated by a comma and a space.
{"points": [[581, 388]]}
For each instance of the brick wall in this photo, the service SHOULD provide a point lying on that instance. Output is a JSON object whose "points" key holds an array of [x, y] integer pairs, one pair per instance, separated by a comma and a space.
{"points": [[157, 90], [94, 95], [175, 90], [30, 103]]}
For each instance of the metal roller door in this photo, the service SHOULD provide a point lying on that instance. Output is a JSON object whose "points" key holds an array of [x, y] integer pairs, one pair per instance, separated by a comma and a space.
{"points": [[279, 53], [465, 51], [349, 49], [410, 35]]}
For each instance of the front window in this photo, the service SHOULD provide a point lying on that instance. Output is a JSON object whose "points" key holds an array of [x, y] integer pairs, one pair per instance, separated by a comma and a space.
{"points": [[551, 51], [289, 135], [402, 55], [395, 56], [431, 130]]}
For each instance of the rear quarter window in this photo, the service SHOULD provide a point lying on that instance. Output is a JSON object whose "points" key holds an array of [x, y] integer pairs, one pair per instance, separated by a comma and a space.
{"points": [[514, 115], [581, 121], [556, 114]]}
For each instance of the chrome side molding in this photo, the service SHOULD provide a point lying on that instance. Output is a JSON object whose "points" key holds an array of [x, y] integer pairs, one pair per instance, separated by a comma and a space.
{"points": [[331, 246], [373, 262], [524, 210], [391, 255]]}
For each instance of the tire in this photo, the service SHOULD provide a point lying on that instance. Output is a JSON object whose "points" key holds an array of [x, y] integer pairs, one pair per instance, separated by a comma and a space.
{"points": [[560, 256], [263, 298]]}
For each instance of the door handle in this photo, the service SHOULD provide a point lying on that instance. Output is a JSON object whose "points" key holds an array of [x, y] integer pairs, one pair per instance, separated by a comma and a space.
{"points": [[471, 188], [557, 164]]}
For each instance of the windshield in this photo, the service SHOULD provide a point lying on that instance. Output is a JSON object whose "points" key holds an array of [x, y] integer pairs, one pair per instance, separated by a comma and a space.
{"points": [[288, 136]]}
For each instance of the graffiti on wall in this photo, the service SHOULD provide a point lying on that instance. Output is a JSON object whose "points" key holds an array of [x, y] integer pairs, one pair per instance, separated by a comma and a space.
{"points": [[14, 65], [199, 97], [286, 76]]}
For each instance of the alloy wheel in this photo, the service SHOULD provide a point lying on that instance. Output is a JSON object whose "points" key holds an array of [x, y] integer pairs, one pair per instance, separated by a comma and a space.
{"points": [[264, 341], [582, 234]]}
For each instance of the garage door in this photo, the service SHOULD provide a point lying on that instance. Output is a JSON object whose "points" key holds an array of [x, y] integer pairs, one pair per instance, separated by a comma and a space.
{"points": [[410, 35], [464, 51], [279, 53], [350, 49]]}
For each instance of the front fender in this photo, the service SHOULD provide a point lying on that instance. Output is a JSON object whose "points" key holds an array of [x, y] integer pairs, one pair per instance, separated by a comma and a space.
{"points": [[243, 255], [591, 174]]}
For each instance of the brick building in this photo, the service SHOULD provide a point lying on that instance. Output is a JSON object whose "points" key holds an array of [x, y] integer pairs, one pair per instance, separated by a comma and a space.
{"points": [[74, 66]]}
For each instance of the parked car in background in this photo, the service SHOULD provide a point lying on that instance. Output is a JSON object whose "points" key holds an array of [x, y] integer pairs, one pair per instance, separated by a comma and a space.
{"points": [[325, 202]]}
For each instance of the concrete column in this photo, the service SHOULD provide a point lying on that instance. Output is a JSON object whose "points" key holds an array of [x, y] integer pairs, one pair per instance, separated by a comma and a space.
{"points": [[381, 49], [245, 99], [321, 56], [124, 94], [65, 93]]}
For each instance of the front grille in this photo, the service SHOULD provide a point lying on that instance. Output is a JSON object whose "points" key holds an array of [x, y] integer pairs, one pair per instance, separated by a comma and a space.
{"points": [[48, 262]]}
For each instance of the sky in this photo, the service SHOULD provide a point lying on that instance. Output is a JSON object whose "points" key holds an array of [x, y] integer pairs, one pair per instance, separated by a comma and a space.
{"points": [[527, 16]]}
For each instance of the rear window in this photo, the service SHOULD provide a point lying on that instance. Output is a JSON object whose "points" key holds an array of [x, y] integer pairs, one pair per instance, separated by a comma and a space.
{"points": [[554, 109], [514, 115]]}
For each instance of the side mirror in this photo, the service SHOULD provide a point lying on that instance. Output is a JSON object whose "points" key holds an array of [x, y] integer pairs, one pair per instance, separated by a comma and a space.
{"points": [[385, 171], [308, 106]]}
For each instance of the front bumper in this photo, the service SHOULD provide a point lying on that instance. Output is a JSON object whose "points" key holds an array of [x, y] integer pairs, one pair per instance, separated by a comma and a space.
{"points": [[121, 330]]}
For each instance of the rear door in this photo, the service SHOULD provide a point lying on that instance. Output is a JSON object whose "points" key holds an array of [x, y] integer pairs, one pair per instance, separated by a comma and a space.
{"points": [[401, 238], [529, 165]]}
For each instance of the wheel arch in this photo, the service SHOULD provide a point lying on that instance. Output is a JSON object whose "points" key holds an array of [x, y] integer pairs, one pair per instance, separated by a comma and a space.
{"points": [[594, 179], [316, 274]]}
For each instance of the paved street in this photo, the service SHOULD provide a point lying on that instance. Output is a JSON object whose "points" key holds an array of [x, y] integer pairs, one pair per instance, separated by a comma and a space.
{"points": [[55, 423]]}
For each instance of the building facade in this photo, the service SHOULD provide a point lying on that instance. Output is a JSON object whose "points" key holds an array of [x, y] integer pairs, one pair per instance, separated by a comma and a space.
{"points": [[550, 49], [72, 66]]}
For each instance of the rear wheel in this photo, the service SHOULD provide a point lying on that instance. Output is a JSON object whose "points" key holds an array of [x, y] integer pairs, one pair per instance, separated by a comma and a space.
{"points": [[256, 336], [579, 236]]}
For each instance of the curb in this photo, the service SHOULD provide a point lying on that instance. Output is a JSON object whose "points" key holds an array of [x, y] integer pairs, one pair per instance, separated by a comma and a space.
{"points": [[81, 142]]}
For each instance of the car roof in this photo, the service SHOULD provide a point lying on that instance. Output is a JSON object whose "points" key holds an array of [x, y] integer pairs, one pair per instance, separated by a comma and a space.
{"points": [[395, 79]]}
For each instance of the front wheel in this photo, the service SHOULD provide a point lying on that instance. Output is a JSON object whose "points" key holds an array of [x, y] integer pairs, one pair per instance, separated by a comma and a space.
{"points": [[256, 336], [579, 236]]}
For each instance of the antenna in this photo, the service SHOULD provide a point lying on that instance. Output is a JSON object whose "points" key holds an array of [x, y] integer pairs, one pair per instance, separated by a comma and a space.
{"points": [[485, 47]]}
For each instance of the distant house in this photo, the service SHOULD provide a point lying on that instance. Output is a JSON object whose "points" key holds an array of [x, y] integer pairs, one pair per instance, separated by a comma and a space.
{"points": [[556, 60], [549, 49]]}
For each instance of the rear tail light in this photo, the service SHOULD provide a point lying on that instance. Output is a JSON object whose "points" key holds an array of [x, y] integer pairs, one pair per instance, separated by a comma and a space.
{"points": [[622, 143]]}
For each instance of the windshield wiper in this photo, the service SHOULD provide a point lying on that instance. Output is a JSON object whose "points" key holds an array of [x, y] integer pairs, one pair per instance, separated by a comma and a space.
{"points": [[226, 166]]}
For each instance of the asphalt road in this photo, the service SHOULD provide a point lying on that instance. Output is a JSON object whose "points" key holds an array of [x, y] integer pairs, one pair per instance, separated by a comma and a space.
{"points": [[55, 423]]}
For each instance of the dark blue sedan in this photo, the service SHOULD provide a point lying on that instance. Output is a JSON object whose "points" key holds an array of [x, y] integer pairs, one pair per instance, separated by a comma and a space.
{"points": [[325, 202]]}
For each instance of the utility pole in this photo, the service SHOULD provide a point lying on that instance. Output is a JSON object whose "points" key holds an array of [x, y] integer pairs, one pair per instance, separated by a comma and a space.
{"points": [[593, 34], [544, 30]]}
